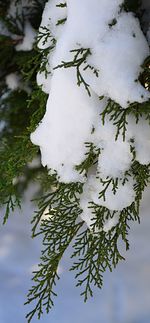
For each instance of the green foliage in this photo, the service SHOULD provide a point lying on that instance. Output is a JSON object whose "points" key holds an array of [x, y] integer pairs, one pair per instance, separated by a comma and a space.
{"points": [[61, 5], [94, 249], [16, 148], [35, 14], [14, 25], [58, 229], [90, 158], [20, 109], [119, 116], [145, 75], [106, 183], [80, 58], [97, 250], [43, 36], [6, 54], [11, 204], [141, 175], [61, 21]]}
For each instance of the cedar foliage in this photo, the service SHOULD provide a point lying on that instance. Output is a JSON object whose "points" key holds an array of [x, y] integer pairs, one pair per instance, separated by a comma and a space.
{"points": [[93, 250]]}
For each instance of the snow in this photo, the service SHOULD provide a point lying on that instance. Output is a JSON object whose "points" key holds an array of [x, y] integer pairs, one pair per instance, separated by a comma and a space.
{"points": [[118, 48], [28, 39], [115, 158], [116, 76], [44, 81], [123, 197], [66, 126], [109, 224], [51, 15], [12, 81]]}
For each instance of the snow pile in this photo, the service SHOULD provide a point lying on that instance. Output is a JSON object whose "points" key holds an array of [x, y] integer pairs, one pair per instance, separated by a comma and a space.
{"points": [[13, 81], [116, 50], [28, 39]]}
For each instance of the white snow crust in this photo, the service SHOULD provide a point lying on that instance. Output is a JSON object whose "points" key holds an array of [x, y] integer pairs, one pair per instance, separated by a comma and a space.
{"points": [[117, 53]]}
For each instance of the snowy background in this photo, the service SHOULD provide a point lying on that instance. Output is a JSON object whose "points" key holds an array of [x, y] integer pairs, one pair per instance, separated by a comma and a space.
{"points": [[125, 297]]}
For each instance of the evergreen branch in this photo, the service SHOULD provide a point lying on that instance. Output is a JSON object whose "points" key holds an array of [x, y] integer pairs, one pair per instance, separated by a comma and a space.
{"points": [[15, 24], [119, 116], [97, 250], [112, 23], [16, 147], [80, 57], [43, 204], [90, 158], [45, 35], [61, 21], [132, 149], [106, 183], [141, 174], [62, 5], [58, 229], [145, 75], [11, 203]]}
